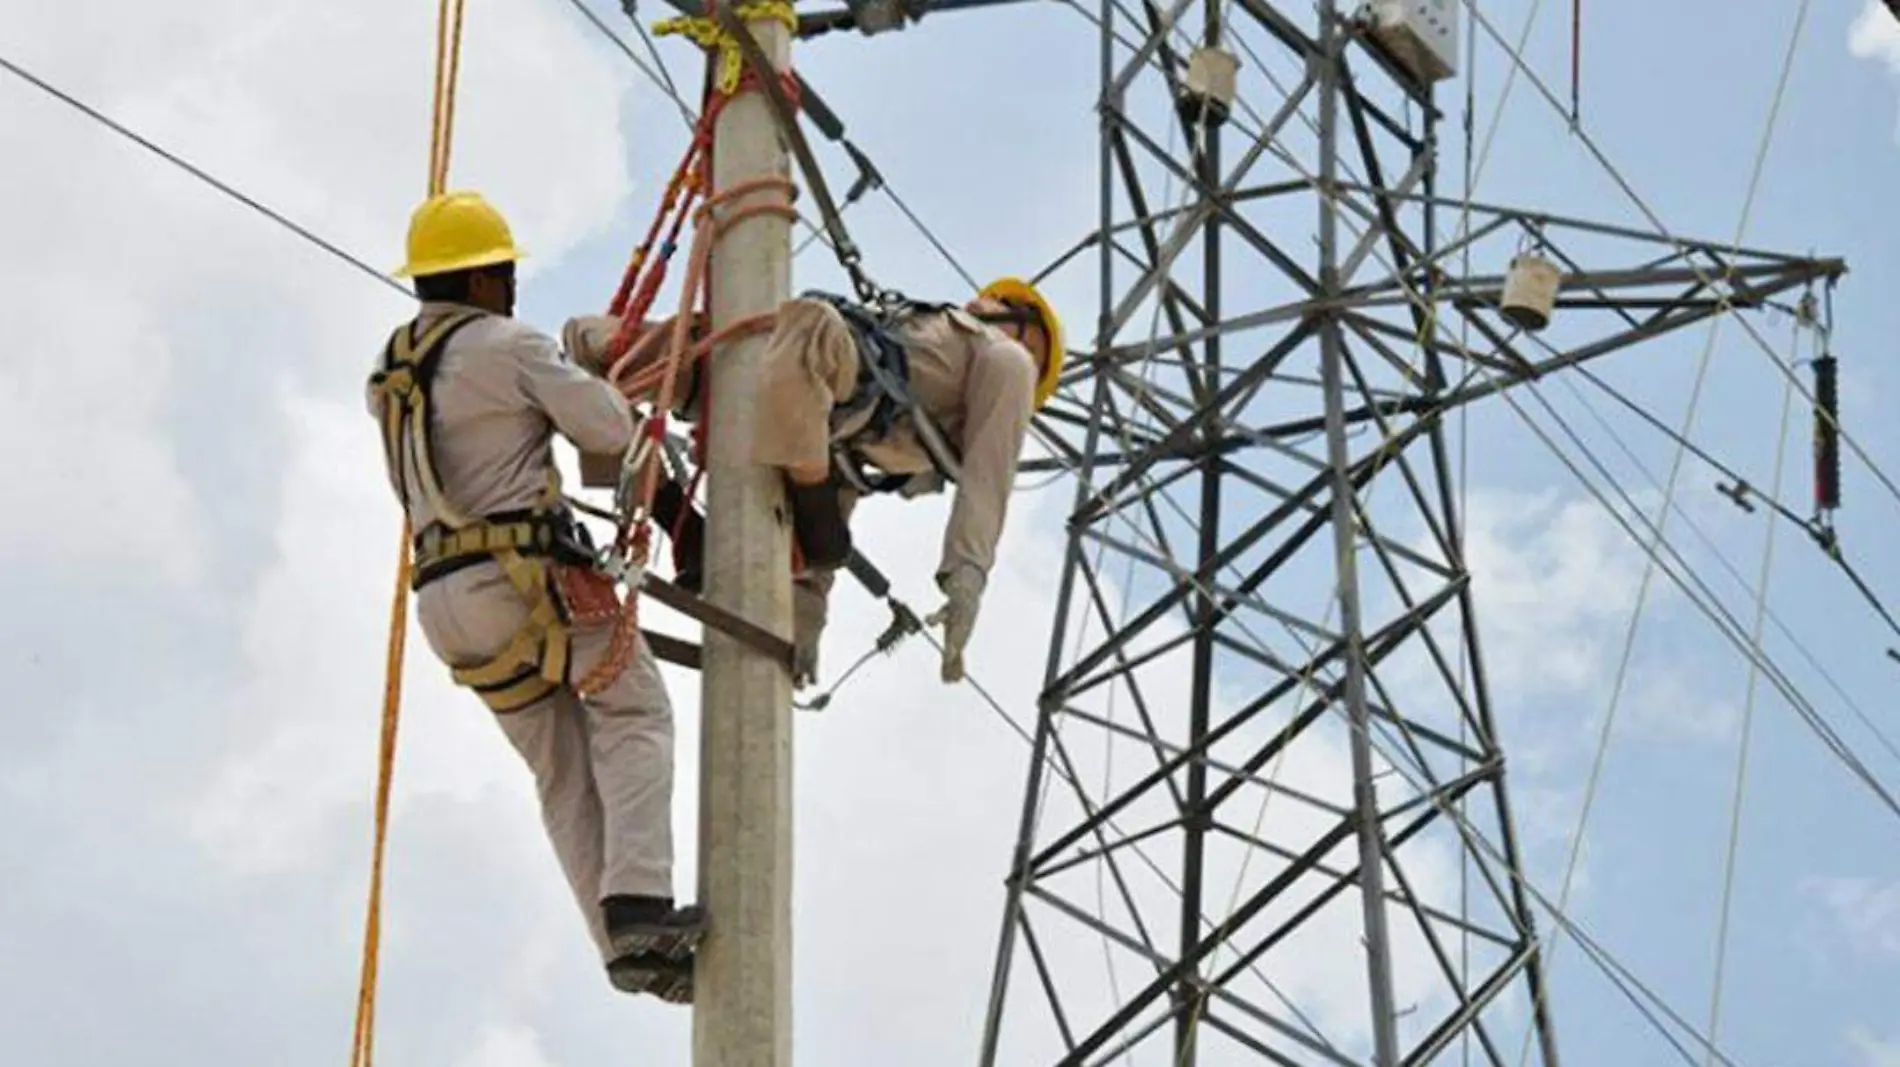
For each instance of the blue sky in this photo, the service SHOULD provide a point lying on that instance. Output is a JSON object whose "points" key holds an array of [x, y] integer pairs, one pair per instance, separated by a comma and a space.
{"points": [[187, 777]]}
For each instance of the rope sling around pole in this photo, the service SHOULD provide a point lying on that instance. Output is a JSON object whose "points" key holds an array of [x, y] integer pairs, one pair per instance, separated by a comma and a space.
{"points": [[740, 67], [654, 384], [735, 64]]}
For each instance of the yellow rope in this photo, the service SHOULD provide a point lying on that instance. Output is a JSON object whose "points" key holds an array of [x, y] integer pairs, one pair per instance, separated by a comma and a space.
{"points": [[448, 53], [706, 32]]}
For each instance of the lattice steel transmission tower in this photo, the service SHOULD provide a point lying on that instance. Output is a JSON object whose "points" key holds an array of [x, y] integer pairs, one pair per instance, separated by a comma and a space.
{"points": [[1266, 817]]}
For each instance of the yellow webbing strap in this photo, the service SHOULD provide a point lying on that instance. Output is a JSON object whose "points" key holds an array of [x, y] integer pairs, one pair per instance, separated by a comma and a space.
{"points": [[480, 539], [535, 663], [405, 404], [447, 66]]}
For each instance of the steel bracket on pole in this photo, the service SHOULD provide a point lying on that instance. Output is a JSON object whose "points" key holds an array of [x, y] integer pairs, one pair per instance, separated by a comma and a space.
{"points": [[744, 631]]}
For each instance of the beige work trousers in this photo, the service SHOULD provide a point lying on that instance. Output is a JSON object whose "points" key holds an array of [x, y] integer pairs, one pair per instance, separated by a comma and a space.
{"points": [[603, 765]]}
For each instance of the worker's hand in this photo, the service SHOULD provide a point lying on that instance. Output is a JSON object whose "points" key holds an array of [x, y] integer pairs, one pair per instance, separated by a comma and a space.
{"points": [[808, 624], [986, 305], [963, 590]]}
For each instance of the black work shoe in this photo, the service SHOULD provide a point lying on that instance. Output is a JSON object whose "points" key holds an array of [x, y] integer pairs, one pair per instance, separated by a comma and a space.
{"points": [[818, 523], [669, 980], [652, 926]]}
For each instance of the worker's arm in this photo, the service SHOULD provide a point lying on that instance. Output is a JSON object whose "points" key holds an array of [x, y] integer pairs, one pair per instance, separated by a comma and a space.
{"points": [[583, 407], [998, 396]]}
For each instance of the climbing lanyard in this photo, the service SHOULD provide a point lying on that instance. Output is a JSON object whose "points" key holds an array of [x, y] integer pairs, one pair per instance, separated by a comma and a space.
{"points": [[785, 111], [904, 622]]}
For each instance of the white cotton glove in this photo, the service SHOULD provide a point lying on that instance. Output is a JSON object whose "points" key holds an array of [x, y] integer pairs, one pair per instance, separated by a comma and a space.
{"points": [[963, 590], [808, 623]]}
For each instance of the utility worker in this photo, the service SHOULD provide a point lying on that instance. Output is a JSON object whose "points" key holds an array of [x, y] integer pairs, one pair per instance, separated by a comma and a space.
{"points": [[858, 400], [510, 594]]}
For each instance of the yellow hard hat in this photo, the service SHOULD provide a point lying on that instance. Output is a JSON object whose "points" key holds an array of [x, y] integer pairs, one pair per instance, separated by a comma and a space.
{"points": [[457, 231], [1017, 291]]}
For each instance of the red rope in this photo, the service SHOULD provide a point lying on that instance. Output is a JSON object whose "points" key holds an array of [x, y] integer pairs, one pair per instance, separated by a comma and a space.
{"points": [[632, 301]]}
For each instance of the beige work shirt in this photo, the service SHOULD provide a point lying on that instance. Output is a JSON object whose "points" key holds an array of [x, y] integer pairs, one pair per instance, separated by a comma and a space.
{"points": [[976, 384], [501, 390], [979, 387]]}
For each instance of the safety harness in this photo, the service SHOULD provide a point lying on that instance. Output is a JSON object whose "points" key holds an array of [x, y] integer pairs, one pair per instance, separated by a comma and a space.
{"points": [[882, 397], [524, 542]]}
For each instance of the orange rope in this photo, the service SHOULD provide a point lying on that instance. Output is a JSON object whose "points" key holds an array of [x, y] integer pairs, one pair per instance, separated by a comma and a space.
{"points": [[448, 51], [662, 377], [385, 764], [631, 301]]}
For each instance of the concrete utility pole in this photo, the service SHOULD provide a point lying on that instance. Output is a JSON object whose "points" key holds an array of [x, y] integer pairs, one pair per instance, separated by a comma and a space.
{"points": [[742, 1015]]}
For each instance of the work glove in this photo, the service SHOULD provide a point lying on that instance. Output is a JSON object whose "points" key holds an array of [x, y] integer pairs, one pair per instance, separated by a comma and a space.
{"points": [[963, 589], [808, 623]]}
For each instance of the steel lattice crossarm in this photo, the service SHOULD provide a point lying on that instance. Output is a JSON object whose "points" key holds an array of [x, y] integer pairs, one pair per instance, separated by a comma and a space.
{"points": [[1266, 817], [1617, 287]]}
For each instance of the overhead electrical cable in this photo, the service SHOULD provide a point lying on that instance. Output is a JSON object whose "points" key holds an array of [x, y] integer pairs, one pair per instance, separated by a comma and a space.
{"points": [[1626, 657], [1732, 856], [1663, 231], [359, 264], [197, 172], [1728, 566], [1696, 590], [1410, 293]]}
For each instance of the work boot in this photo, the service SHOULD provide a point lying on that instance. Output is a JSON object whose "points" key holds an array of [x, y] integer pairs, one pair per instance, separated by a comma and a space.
{"points": [[652, 926], [669, 980], [818, 523]]}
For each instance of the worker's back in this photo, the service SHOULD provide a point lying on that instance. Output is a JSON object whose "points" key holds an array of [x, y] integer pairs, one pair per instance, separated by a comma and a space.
{"points": [[955, 363], [495, 386]]}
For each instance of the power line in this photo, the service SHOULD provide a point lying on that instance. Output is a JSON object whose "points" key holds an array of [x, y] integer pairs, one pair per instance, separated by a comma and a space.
{"points": [[1732, 859], [196, 172], [1663, 231], [662, 78], [1831, 549], [1793, 696], [1194, 581], [660, 75], [1702, 596], [1734, 572]]}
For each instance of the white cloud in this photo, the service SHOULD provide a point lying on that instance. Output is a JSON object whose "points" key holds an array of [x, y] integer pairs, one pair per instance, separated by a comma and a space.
{"points": [[81, 400], [1670, 704], [123, 267], [1865, 912], [1554, 575], [1870, 1051], [134, 266], [501, 1045], [314, 643], [168, 336], [1875, 34]]}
